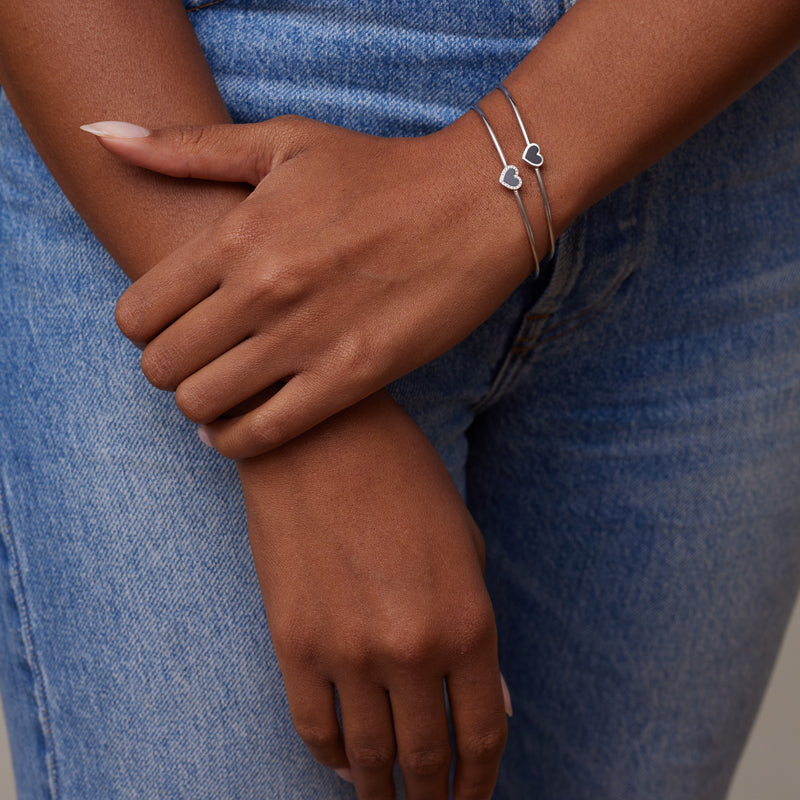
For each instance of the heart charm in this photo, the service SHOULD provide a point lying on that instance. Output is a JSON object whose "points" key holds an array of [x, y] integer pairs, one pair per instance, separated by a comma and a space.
{"points": [[510, 178], [533, 155]]}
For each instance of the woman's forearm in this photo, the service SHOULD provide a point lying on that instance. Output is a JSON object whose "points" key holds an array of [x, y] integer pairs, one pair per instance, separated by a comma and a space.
{"points": [[614, 85], [617, 84], [66, 64]]}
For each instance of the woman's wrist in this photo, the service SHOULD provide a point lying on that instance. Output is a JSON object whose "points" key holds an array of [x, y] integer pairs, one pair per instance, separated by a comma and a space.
{"points": [[491, 219], [606, 95]]}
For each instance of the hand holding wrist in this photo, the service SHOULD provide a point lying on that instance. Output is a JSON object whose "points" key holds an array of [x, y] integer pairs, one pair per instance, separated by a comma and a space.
{"points": [[354, 260]]}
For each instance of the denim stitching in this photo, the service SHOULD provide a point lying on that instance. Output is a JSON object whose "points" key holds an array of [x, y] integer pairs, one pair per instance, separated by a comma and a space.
{"points": [[523, 344], [568, 265], [498, 384], [26, 630], [512, 362], [585, 315], [206, 5], [538, 334]]}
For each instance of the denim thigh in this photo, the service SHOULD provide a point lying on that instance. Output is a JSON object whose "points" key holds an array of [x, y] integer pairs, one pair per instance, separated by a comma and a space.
{"points": [[627, 440], [135, 659]]}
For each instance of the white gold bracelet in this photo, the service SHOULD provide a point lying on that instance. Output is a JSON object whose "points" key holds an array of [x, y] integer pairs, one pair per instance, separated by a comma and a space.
{"points": [[511, 179], [532, 156]]}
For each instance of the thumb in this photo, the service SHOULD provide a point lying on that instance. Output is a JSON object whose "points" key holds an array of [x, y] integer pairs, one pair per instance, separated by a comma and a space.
{"points": [[236, 153]]}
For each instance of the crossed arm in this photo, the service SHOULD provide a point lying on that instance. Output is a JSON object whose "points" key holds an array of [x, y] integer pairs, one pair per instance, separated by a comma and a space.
{"points": [[343, 475], [625, 82], [256, 302]]}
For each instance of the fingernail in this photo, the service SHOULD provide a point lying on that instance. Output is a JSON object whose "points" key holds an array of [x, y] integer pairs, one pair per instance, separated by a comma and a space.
{"points": [[204, 437], [116, 130], [506, 696], [345, 773]]}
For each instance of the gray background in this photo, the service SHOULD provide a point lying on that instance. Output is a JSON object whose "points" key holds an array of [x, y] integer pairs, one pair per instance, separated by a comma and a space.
{"points": [[770, 769]]}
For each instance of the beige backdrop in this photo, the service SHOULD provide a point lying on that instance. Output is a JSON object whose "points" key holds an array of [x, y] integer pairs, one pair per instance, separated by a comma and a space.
{"points": [[770, 769]]}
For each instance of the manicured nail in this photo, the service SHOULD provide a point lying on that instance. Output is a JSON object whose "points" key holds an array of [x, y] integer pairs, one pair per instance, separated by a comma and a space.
{"points": [[345, 773], [506, 697], [116, 130], [204, 437]]}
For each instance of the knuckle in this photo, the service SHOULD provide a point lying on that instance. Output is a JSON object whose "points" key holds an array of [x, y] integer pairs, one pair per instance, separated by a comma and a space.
{"points": [[336, 260], [231, 449], [355, 655], [407, 647], [412, 647], [283, 282], [288, 122], [268, 434], [157, 368], [253, 436], [289, 133], [476, 790], [298, 644], [239, 236], [129, 318], [476, 629], [427, 763], [191, 136], [194, 403], [485, 747], [371, 756], [356, 354], [245, 442], [321, 740], [299, 637]]}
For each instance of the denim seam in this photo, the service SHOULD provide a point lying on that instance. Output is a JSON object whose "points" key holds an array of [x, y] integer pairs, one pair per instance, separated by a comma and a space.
{"points": [[26, 629], [537, 322], [206, 5], [585, 315], [508, 370], [504, 375], [524, 345], [567, 265], [514, 359]]}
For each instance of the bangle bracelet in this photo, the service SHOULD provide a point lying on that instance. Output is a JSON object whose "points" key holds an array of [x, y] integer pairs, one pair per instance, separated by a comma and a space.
{"points": [[510, 178], [532, 155]]}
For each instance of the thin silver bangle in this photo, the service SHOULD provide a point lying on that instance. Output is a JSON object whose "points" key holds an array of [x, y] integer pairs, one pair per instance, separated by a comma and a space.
{"points": [[532, 155], [510, 178]]}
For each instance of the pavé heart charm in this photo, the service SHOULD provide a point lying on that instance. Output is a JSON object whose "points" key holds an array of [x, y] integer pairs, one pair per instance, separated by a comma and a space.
{"points": [[533, 155], [510, 178]]}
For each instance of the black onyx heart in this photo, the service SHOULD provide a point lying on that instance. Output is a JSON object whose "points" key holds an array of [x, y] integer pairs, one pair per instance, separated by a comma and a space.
{"points": [[533, 155], [510, 177]]}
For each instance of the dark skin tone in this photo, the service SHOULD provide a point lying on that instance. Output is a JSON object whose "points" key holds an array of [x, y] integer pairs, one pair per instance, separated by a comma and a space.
{"points": [[614, 85], [124, 60], [402, 227]]}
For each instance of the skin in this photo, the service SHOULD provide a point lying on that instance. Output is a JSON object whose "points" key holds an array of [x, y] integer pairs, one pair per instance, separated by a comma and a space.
{"points": [[118, 60], [393, 262], [614, 85], [399, 620], [351, 299]]}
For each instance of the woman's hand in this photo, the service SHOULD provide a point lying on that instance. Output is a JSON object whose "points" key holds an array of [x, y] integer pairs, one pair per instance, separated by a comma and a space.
{"points": [[355, 259], [373, 586]]}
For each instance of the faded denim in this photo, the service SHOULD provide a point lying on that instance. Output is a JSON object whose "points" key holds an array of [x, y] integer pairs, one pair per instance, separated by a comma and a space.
{"points": [[628, 438]]}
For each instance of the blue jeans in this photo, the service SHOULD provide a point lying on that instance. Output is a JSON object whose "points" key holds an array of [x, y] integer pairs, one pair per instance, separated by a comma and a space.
{"points": [[627, 437]]}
